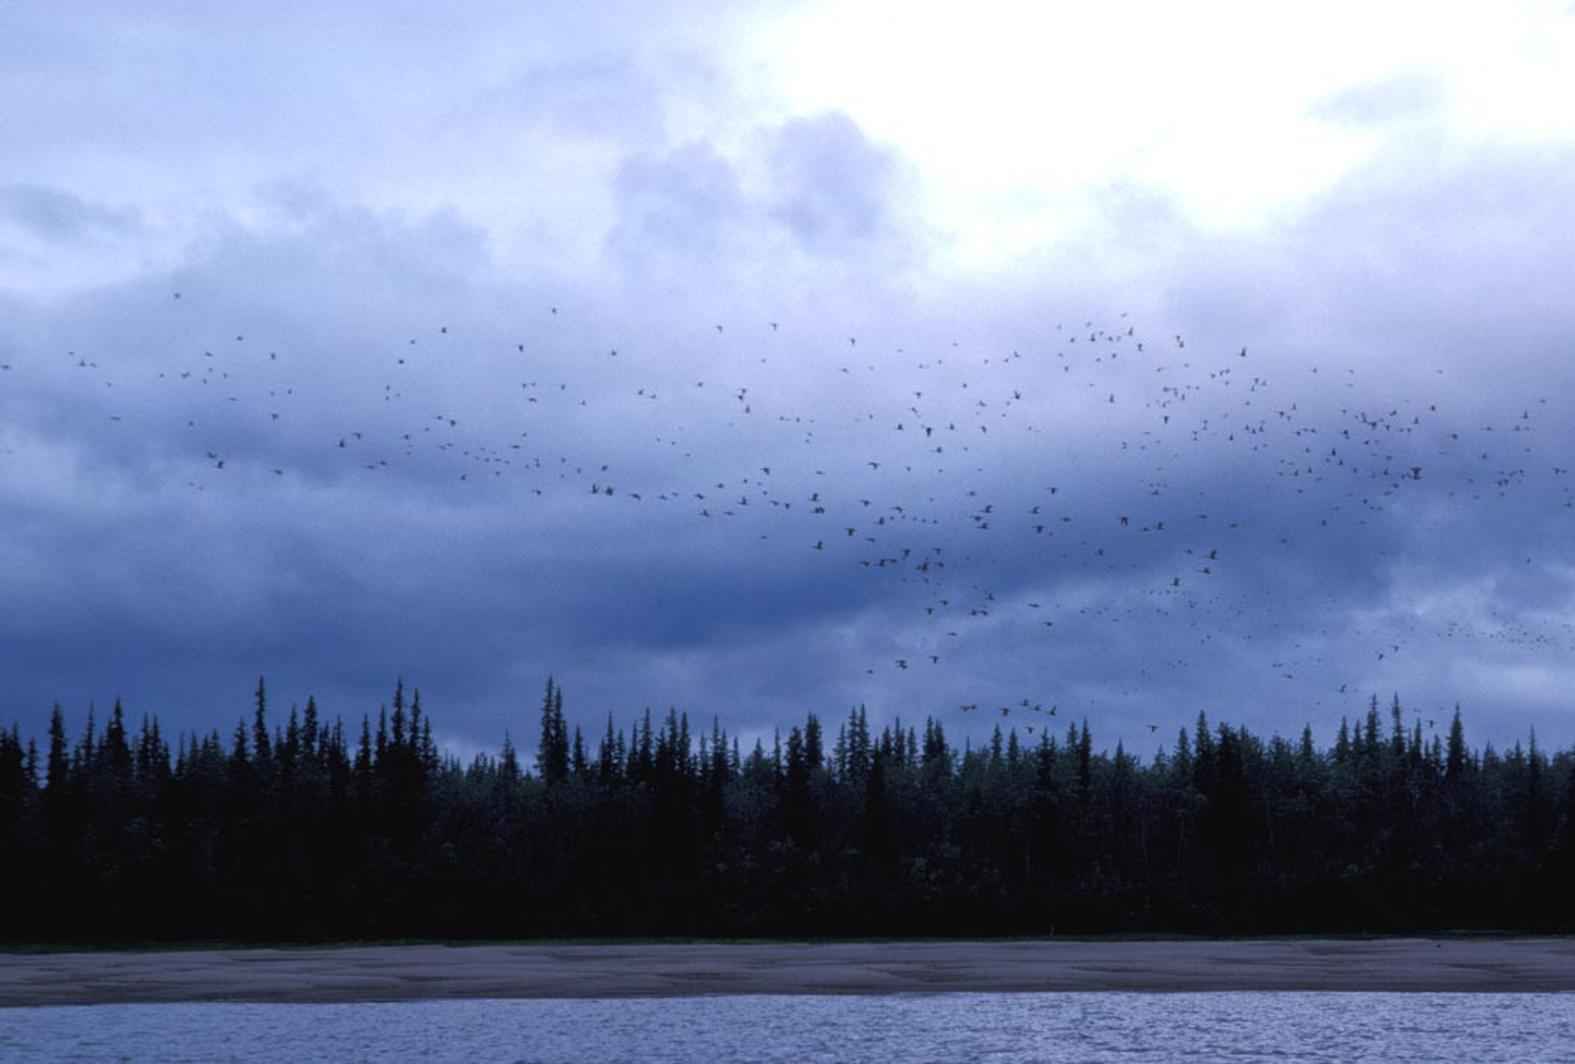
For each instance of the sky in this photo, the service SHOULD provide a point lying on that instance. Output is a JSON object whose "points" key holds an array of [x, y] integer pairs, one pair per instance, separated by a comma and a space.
{"points": [[972, 362]]}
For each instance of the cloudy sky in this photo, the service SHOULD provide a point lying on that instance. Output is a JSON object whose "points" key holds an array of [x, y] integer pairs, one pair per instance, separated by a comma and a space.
{"points": [[761, 358]]}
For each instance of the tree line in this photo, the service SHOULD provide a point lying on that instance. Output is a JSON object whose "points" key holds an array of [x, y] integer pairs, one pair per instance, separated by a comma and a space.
{"points": [[308, 832]]}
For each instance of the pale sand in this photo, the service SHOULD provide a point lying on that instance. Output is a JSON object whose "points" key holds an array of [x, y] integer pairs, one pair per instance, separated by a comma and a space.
{"points": [[389, 973]]}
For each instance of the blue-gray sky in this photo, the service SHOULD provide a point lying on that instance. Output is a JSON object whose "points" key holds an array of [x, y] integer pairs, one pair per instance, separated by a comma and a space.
{"points": [[1159, 362]]}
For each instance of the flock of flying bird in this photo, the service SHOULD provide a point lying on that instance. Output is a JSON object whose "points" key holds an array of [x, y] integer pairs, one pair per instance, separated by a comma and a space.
{"points": [[1096, 517]]}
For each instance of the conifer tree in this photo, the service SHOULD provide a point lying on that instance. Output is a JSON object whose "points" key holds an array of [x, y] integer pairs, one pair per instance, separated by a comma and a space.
{"points": [[290, 750], [878, 842], [1455, 760], [262, 747], [509, 762], [116, 752], [309, 726], [396, 720], [798, 815], [363, 761], [58, 767], [431, 761], [552, 752], [581, 765], [607, 760], [814, 752], [1085, 751]]}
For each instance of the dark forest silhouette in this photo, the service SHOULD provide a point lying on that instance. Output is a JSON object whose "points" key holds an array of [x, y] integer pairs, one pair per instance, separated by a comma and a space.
{"points": [[308, 833]]}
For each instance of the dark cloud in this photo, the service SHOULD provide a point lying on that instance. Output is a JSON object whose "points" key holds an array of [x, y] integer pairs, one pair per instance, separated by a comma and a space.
{"points": [[835, 190], [58, 216], [831, 198], [682, 203]]}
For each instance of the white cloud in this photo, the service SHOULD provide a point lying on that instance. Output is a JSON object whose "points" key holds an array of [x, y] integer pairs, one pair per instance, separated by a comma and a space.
{"points": [[1017, 115]]}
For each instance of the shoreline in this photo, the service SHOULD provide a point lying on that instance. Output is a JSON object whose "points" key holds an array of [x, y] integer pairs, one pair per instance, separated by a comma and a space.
{"points": [[364, 973]]}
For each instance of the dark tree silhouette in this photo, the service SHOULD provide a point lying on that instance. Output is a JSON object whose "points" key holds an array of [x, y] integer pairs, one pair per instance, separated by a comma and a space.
{"points": [[291, 833]]}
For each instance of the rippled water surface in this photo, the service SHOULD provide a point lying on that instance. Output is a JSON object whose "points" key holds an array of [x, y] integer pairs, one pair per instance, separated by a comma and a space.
{"points": [[949, 1027]]}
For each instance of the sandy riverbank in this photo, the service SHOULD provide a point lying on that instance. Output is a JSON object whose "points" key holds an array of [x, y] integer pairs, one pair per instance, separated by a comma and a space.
{"points": [[385, 973]]}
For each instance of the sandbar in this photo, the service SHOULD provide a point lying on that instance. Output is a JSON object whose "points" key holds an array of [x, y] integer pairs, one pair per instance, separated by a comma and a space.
{"points": [[685, 969]]}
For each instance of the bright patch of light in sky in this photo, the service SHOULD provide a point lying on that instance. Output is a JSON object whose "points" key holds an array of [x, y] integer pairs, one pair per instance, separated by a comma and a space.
{"points": [[1017, 116]]}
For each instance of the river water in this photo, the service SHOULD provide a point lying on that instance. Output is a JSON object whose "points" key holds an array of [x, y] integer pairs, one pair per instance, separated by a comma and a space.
{"points": [[1000, 1028]]}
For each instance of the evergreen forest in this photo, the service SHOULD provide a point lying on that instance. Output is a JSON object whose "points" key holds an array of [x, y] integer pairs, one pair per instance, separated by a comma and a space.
{"points": [[304, 831]]}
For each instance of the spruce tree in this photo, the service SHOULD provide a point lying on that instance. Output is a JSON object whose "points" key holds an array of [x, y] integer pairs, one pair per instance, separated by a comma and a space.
{"points": [[798, 815], [581, 765], [1085, 749], [508, 761], [116, 753], [309, 726], [607, 760], [814, 753], [1455, 759], [552, 751], [262, 746], [58, 767], [396, 720]]}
